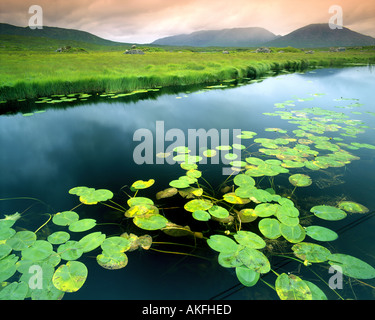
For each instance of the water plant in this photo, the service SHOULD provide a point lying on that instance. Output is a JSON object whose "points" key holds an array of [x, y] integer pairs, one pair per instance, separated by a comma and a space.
{"points": [[237, 221]]}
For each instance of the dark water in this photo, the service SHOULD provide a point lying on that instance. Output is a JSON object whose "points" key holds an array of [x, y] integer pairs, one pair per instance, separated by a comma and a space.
{"points": [[91, 144]]}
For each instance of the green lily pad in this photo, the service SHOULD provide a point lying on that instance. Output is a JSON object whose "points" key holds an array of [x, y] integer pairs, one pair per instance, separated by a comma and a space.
{"points": [[112, 260], [209, 153], [71, 250], [166, 193], [234, 199], [198, 204], [4, 250], [90, 196], [246, 276], [270, 228], [8, 267], [266, 209], [39, 250], [316, 292], [150, 222], [179, 184], [328, 213], [91, 241], [188, 166], [351, 266], [21, 240], [116, 244], [352, 207], [201, 215], [65, 218], [14, 291], [293, 234], [292, 287], [140, 184], [70, 277], [321, 233], [254, 260], [311, 252], [58, 237], [140, 210], [194, 173], [300, 180], [222, 244], [82, 225], [139, 201], [218, 212], [244, 180], [249, 239]]}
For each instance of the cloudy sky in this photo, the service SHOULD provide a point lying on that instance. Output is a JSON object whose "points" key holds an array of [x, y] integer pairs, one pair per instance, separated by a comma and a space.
{"points": [[143, 21]]}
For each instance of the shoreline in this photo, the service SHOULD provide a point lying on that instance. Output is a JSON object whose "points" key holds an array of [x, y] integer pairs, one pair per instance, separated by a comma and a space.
{"points": [[138, 73]]}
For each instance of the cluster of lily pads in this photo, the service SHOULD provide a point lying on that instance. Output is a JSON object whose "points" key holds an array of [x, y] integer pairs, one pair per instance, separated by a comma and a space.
{"points": [[240, 217]]}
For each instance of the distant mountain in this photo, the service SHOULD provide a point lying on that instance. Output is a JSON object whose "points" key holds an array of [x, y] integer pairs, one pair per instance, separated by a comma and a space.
{"points": [[236, 37], [55, 33], [321, 35]]}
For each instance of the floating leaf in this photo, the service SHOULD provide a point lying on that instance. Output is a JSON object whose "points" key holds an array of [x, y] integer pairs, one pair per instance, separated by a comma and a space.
{"points": [[316, 292], [352, 207], [180, 184], [58, 237], [234, 199], [201, 215], [140, 210], [311, 252], [246, 276], [65, 218], [14, 291], [247, 215], [293, 234], [139, 201], [21, 240], [112, 260], [116, 244], [70, 277], [300, 180], [254, 260], [166, 193], [194, 173], [82, 225], [244, 180], [71, 250], [191, 192], [321, 233], [40, 250], [96, 196], [8, 267], [351, 266], [291, 287], [198, 204], [266, 209], [218, 212], [175, 230], [145, 241], [150, 222], [209, 153], [91, 241], [249, 239], [328, 213], [222, 244], [4, 250], [270, 228], [140, 184]]}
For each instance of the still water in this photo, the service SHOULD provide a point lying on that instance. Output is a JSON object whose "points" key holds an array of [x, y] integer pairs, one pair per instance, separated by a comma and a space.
{"points": [[91, 144]]}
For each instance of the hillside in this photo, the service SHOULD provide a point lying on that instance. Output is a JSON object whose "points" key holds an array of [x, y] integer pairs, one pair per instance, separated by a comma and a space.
{"points": [[56, 33], [236, 37], [320, 35]]}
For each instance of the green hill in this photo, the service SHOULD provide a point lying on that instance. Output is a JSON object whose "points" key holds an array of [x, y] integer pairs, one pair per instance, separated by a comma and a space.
{"points": [[320, 35]]}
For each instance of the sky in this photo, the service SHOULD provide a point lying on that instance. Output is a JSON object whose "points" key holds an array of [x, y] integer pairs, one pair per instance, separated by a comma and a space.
{"points": [[143, 21]]}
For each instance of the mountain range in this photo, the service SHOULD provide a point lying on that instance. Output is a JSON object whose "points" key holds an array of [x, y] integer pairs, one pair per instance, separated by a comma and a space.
{"points": [[310, 36]]}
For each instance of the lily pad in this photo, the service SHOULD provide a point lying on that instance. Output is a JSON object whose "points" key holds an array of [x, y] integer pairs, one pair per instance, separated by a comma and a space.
{"points": [[82, 225], [249, 239], [4, 250], [140, 184], [218, 212], [300, 180], [70, 277], [139, 201], [14, 291], [292, 287], [321, 233], [112, 260], [244, 180], [293, 234], [65, 218], [201, 215], [140, 210], [150, 222], [328, 212], [247, 215], [351, 266], [352, 207], [166, 193], [222, 244], [179, 184], [198, 204], [22, 240], [91, 241], [71, 250], [39, 250], [270, 228], [58, 237], [246, 276], [116, 244], [254, 260], [266, 209], [311, 252], [234, 199]]}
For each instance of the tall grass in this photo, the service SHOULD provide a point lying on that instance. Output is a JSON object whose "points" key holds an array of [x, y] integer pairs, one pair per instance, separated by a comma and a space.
{"points": [[34, 74]]}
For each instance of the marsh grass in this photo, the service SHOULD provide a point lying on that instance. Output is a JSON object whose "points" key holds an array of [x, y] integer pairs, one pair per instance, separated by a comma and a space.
{"points": [[34, 74]]}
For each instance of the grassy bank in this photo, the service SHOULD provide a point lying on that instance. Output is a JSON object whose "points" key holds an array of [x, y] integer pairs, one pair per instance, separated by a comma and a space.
{"points": [[33, 74]]}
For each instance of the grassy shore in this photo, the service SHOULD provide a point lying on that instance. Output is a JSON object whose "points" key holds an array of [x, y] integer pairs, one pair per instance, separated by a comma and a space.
{"points": [[32, 74]]}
